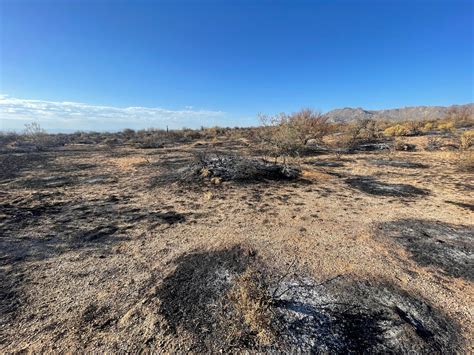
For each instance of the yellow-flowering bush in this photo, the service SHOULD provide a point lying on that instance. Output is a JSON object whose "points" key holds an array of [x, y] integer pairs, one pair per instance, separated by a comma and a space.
{"points": [[395, 131], [446, 126]]}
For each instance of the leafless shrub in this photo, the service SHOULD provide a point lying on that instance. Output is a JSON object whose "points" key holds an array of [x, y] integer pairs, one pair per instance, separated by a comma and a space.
{"points": [[287, 135], [34, 134], [148, 142], [460, 116], [353, 134]]}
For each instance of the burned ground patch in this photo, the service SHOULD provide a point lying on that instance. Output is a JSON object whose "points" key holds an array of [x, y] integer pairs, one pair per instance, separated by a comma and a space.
{"points": [[326, 163], [447, 247], [372, 186], [225, 303], [468, 206], [361, 317], [399, 164], [96, 234], [22, 214], [190, 296], [13, 165], [48, 182]]}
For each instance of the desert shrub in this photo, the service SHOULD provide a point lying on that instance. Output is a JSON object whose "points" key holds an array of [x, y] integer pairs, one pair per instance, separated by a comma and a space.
{"points": [[34, 134], [414, 128], [408, 128], [148, 142], [396, 131], [400, 145], [360, 132], [287, 135], [428, 127], [466, 140], [128, 134], [9, 164], [190, 134], [460, 116], [446, 126], [111, 141]]}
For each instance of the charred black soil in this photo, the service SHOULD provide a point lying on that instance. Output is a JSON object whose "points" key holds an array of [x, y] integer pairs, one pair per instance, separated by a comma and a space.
{"points": [[443, 246], [372, 186]]}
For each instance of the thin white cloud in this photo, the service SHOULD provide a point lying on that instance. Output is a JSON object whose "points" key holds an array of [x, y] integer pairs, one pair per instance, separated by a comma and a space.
{"points": [[69, 114]]}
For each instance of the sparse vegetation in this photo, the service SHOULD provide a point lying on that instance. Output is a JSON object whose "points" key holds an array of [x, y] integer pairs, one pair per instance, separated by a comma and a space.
{"points": [[94, 211], [287, 135]]}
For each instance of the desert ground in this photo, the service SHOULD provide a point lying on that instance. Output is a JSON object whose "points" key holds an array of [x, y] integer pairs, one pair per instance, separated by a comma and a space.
{"points": [[111, 249]]}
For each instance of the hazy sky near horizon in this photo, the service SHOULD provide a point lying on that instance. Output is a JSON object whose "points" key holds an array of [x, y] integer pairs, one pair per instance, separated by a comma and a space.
{"points": [[105, 65]]}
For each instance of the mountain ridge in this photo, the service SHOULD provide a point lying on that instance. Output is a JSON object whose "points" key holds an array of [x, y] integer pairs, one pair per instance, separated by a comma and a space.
{"points": [[348, 114]]}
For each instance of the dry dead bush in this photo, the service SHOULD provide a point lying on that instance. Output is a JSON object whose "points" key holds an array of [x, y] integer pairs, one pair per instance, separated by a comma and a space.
{"points": [[148, 142], [400, 145], [351, 135], [460, 117], [34, 134], [287, 135]]}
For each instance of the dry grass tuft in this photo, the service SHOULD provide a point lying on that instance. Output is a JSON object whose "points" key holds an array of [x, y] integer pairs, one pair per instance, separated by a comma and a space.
{"points": [[466, 140], [466, 161], [251, 301]]}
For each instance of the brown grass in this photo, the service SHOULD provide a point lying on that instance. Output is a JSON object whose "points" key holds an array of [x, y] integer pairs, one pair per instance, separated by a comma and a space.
{"points": [[251, 301]]}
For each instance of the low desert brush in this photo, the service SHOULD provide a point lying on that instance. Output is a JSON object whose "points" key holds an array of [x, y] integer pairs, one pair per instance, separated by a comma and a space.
{"points": [[396, 131]]}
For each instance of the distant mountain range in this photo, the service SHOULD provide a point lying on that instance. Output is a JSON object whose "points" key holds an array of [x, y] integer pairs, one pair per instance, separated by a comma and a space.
{"points": [[396, 114]]}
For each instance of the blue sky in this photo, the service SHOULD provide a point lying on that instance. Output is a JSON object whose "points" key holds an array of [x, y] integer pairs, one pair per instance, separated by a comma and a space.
{"points": [[110, 64]]}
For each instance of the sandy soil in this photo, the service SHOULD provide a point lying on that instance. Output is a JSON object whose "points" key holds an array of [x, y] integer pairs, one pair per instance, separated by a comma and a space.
{"points": [[98, 253]]}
